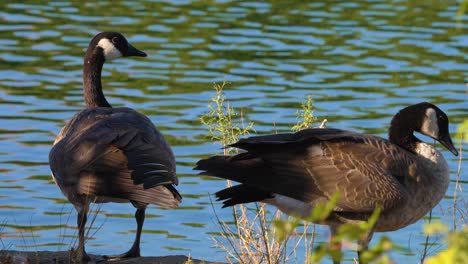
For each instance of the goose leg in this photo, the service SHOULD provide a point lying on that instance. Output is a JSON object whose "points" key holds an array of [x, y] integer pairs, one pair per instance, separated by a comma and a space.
{"points": [[81, 222], [335, 246], [363, 245], [135, 249]]}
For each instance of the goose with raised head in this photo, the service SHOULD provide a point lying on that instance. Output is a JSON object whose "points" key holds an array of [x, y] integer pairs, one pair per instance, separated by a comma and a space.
{"points": [[297, 171], [106, 154]]}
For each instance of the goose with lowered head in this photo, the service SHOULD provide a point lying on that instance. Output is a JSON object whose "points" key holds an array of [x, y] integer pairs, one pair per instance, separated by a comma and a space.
{"points": [[105, 154], [297, 171]]}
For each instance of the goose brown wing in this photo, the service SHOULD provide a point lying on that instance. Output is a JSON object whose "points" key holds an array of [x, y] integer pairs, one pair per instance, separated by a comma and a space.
{"points": [[364, 174], [313, 164], [108, 143]]}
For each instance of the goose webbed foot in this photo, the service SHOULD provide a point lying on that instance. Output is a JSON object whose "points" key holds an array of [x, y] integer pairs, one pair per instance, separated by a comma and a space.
{"points": [[134, 252], [85, 257]]}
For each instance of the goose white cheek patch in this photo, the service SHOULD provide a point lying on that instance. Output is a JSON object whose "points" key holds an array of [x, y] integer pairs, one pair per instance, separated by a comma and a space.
{"points": [[429, 126], [110, 51]]}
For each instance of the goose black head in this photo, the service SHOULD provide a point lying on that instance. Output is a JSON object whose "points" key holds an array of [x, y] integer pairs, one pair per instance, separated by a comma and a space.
{"points": [[114, 45], [434, 123]]}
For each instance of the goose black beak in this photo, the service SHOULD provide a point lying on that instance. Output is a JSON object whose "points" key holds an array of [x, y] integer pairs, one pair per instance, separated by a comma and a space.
{"points": [[132, 51], [446, 141]]}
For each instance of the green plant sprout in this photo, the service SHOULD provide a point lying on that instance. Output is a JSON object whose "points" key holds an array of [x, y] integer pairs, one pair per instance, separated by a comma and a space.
{"points": [[221, 120], [305, 116], [457, 241]]}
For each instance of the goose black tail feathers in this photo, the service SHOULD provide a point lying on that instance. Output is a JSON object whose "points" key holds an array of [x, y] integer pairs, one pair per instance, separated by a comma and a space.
{"points": [[232, 169]]}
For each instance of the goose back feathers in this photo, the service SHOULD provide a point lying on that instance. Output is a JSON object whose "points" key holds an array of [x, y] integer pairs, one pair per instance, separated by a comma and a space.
{"points": [[114, 154]]}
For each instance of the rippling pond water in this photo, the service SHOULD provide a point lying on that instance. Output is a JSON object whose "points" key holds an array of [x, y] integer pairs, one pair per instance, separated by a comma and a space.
{"points": [[361, 61]]}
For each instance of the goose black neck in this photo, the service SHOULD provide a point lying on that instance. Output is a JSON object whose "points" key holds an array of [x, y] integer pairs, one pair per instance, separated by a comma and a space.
{"points": [[92, 88], [401, 130]]}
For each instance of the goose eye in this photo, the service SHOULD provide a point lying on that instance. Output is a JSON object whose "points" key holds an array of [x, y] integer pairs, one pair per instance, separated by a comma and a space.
{"points": [[115, 40]]}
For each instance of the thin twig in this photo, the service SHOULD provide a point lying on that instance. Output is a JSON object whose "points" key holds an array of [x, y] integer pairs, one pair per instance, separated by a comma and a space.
{"points": [[262, 221], [2, 226], [223, 227], [32, 233], [323, 124], [311, 246], [426, 242], [457, 184]]}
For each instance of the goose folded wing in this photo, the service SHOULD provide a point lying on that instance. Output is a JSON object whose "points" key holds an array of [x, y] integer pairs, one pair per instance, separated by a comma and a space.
{"points": [[364, 170], [129, 142], [263, 144], [364, 175]]}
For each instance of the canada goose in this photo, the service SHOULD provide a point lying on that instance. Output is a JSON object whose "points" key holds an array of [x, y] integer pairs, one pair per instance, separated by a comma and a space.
{"points": [[106, 154], [296, 171]]}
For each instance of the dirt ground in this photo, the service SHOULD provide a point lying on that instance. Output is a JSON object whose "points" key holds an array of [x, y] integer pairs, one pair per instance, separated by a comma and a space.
{"points": [[63, 257]]}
